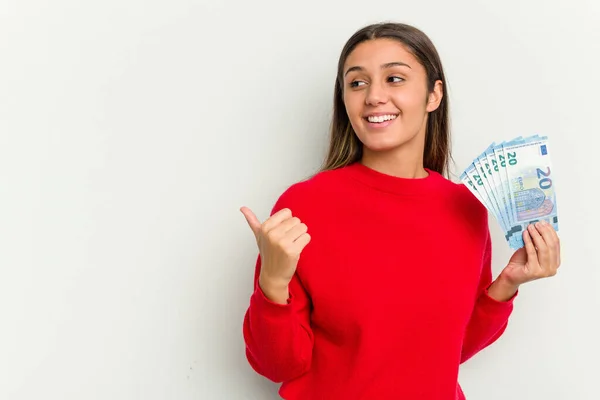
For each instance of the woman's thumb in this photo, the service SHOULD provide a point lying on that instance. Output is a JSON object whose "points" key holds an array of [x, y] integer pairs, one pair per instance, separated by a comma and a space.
{"points": [[253, 222]]}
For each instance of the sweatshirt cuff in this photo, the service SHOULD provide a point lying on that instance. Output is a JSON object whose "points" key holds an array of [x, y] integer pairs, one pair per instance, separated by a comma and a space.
{"points": [[493, 305], [269, 308]]}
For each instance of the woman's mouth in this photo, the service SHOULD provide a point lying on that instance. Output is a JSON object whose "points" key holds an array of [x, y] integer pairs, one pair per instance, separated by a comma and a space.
{"points": [[380, 121]]}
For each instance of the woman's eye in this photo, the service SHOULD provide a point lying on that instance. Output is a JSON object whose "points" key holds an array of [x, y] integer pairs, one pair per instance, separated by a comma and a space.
{"points": [[395, 79], [356, 83]]}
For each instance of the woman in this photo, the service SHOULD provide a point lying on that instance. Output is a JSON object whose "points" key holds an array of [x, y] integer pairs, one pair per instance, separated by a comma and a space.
{"points": [[374, 276]]}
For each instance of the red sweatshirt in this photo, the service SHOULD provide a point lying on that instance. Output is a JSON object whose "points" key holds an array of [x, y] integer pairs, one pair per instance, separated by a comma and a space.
{"points": [[389, 297]]}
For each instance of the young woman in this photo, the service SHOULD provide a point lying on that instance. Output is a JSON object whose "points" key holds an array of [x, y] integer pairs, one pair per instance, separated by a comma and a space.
{"points": [[374, 276]]}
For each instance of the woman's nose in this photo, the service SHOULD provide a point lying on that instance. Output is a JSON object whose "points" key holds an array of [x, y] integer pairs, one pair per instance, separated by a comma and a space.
{"points": [[377, 94]]}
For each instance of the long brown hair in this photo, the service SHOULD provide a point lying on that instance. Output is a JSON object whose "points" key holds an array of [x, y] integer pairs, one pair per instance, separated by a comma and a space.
{"points": [[344, 147]]}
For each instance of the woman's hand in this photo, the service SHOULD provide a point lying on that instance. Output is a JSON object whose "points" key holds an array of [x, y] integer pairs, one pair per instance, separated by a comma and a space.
{"points": [[540, 258], [280, 239]]}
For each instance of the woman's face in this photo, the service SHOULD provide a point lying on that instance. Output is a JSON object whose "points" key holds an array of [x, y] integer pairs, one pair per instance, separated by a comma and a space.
{"points": [[385, 94]]}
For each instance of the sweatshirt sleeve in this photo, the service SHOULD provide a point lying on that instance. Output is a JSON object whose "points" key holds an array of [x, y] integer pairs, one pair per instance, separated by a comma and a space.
{"points": [[278, 337], [489, 318]]}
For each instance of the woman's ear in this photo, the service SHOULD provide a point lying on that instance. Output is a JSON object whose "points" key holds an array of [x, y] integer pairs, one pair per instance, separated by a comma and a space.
{"points": [[435, 96]]}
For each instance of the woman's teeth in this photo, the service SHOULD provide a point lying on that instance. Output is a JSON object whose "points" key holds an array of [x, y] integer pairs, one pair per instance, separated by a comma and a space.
{"points": [[381, 118]]}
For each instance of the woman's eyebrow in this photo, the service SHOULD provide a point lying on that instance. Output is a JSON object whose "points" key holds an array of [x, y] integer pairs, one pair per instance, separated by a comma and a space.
{"points": [[383, 66]]}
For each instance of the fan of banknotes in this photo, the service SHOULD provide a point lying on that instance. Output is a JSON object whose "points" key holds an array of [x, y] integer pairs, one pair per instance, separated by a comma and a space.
{"points": [[514, 181]]}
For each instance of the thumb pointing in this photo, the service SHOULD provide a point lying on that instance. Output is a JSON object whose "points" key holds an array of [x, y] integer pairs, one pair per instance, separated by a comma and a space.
{"points": [[253, 222]]}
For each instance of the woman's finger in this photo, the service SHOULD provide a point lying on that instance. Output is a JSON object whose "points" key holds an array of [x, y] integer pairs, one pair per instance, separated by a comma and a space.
{"points": [[541, 250], [537, 239], [558, 252], [532, 259], [556, 244], [548, 256]]}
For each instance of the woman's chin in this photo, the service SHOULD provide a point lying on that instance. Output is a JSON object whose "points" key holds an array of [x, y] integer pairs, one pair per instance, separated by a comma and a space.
{"points": [[381, 145], [386, 143]]}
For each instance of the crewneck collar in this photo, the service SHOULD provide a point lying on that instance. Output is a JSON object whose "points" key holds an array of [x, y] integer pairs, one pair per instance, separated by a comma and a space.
{"points": [[394, 184]]}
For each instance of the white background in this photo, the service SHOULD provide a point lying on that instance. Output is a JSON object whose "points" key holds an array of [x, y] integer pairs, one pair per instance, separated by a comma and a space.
{"points": [[132, 131]]}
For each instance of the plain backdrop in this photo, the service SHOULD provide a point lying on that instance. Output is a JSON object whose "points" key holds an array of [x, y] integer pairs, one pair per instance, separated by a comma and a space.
{"points": [[131, 132]]}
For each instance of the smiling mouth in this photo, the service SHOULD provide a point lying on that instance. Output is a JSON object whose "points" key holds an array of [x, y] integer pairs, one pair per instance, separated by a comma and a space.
{"points": [[378, 119]]}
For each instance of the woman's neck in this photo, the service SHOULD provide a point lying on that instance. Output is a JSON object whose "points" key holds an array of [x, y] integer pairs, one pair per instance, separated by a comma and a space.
{"points": [[398, 163]]}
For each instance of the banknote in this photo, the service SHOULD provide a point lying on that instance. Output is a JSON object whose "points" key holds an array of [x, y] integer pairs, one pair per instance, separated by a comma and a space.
{"points": [[476, 176], [514, 181]]}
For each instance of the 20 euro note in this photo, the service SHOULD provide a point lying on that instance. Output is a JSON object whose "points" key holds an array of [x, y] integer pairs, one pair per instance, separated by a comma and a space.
{"points": [[532, 193], [476, 176]]}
